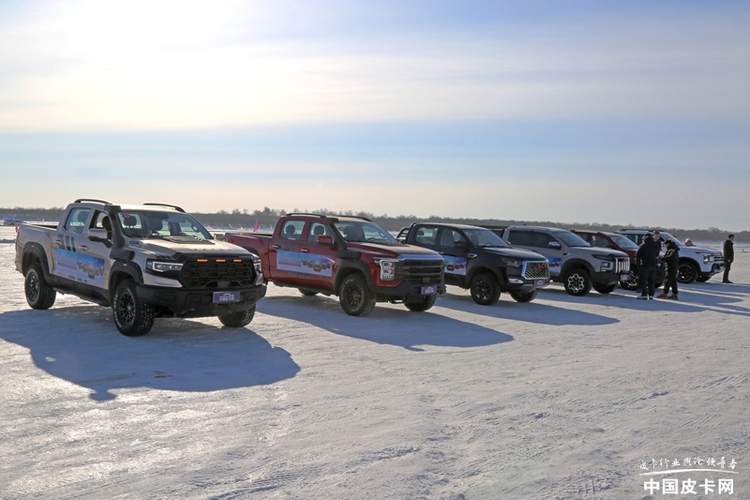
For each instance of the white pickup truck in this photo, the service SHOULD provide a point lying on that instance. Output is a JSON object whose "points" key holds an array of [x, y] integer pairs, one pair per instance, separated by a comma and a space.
{"points": [[143, 261], [696, 263]]}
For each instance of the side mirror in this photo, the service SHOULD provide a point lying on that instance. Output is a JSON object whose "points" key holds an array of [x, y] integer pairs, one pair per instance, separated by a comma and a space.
{"points": [[325, 240], [99, 236], [555, 245]]}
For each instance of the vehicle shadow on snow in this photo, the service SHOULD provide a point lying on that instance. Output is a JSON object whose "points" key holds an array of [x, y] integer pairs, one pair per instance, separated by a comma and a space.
{"points": [[81, 345], [384, 325], [694, 298], [530, 312]]}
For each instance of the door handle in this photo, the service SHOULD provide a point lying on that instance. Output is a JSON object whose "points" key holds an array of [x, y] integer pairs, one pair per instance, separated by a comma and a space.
{"points": [[84, 248], [304, 250], [275, 247], [59, 242]]}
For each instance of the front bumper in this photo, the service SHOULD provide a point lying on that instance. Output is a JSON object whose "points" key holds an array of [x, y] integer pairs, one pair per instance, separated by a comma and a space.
{"points": [[519, 283], [608, 278], [192, 303], [407, 291]]}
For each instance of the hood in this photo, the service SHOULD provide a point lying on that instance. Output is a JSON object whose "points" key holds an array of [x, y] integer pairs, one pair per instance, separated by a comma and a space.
{"points": [[392, 250], [167, 247], [516, 253], [603, 251], [699, 250]]}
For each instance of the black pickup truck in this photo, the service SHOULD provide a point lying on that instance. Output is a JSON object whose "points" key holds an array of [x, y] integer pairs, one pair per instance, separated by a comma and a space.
{"points": [[479, 260]]}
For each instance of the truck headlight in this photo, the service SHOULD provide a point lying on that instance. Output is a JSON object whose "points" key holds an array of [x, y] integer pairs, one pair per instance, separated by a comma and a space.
{"points": [[606, 263], [513, 263], [387, 269], [162, 267], [707, 257]]}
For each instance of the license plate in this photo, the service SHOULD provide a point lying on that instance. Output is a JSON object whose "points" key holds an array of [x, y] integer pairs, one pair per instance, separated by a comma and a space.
{"points": [[540, 282], [624, 277], [429, 290], [224, 297]]}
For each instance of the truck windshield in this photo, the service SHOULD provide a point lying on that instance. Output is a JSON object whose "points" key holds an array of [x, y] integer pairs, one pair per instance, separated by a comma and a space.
{"points": [[572, 239], [485, 238], [623, 242], [165, 225], [364, 232]]}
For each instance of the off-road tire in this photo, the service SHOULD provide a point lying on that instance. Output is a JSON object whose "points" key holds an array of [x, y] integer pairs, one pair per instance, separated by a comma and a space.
{"points": [[355, 296], [484, 289], [426, 303], [605, 289], [238, 319], [687, 272], [577, 282], [132, 316], [39, 293], [523, 296]]}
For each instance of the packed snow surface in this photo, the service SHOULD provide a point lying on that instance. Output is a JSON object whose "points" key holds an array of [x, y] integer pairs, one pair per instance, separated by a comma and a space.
{"points": [[560, 398]]}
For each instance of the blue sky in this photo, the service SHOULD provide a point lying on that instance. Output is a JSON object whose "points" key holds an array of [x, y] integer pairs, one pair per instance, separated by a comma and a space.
{"points": [[616, 112]]}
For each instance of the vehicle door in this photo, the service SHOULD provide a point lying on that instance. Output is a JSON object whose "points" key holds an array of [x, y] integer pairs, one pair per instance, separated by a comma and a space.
{"points": [[284, 253], [94, 261], [318, 258], [547, 245], [454, 248], [70, 260]]}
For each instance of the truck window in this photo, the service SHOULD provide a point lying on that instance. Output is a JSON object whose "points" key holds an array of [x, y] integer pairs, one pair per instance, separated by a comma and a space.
{"points": [[100, 220], [317, 229], [292, 229], [426, 235], [450, 237], [522, 238], [542, 240], [76, 220]]}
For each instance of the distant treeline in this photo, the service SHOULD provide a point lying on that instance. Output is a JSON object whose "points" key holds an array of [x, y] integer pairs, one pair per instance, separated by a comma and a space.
{"points": [[267, 218]]}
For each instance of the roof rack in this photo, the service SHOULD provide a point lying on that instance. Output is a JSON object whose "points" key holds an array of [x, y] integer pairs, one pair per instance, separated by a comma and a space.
{"points": [[179, 209], [329, 216], [92, 200]]}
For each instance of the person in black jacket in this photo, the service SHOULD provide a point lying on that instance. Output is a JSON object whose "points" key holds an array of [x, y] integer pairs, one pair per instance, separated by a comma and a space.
{"points": [[728, 257], [672, 260], [647, 256]]}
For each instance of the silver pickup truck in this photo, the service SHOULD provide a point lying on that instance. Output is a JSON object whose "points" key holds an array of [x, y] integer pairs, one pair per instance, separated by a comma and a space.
{"points": [[143, 261]]}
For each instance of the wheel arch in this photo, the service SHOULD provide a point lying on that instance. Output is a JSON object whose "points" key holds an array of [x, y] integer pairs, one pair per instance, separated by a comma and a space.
{"points": [[576, 264], [347, 268], [122, 271], [483, 268]]}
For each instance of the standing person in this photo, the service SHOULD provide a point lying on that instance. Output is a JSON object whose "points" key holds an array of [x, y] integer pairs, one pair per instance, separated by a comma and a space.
{"points": [[728, 257], [672, 260], [647, 256]]}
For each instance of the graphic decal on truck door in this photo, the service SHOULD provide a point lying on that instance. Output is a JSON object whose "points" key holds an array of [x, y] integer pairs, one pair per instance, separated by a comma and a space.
{"points": [[304, 263], [79, 267], [455, 265]]}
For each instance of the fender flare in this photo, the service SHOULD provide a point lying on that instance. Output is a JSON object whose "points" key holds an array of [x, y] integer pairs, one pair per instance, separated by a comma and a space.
{"points": [[576, 263], [494, 270], [349, 266], [34, 251], [119, 270]]}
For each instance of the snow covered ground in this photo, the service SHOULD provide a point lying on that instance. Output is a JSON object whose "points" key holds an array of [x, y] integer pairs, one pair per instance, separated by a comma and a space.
{"points": [[561, 398]]}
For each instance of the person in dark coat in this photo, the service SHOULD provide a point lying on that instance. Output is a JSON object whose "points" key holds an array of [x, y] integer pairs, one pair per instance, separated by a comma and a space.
{"points": [[728, 257], [672, 260], [647, 257]]}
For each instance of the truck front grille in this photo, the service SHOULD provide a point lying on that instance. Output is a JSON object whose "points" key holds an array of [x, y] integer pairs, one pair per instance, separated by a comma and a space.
{"points": [[222, 272], [622, 265], [420, 271], [536, 270]]}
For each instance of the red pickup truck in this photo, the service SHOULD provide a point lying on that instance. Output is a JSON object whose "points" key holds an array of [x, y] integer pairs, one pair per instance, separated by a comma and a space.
{"points": [[350, 257]]}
